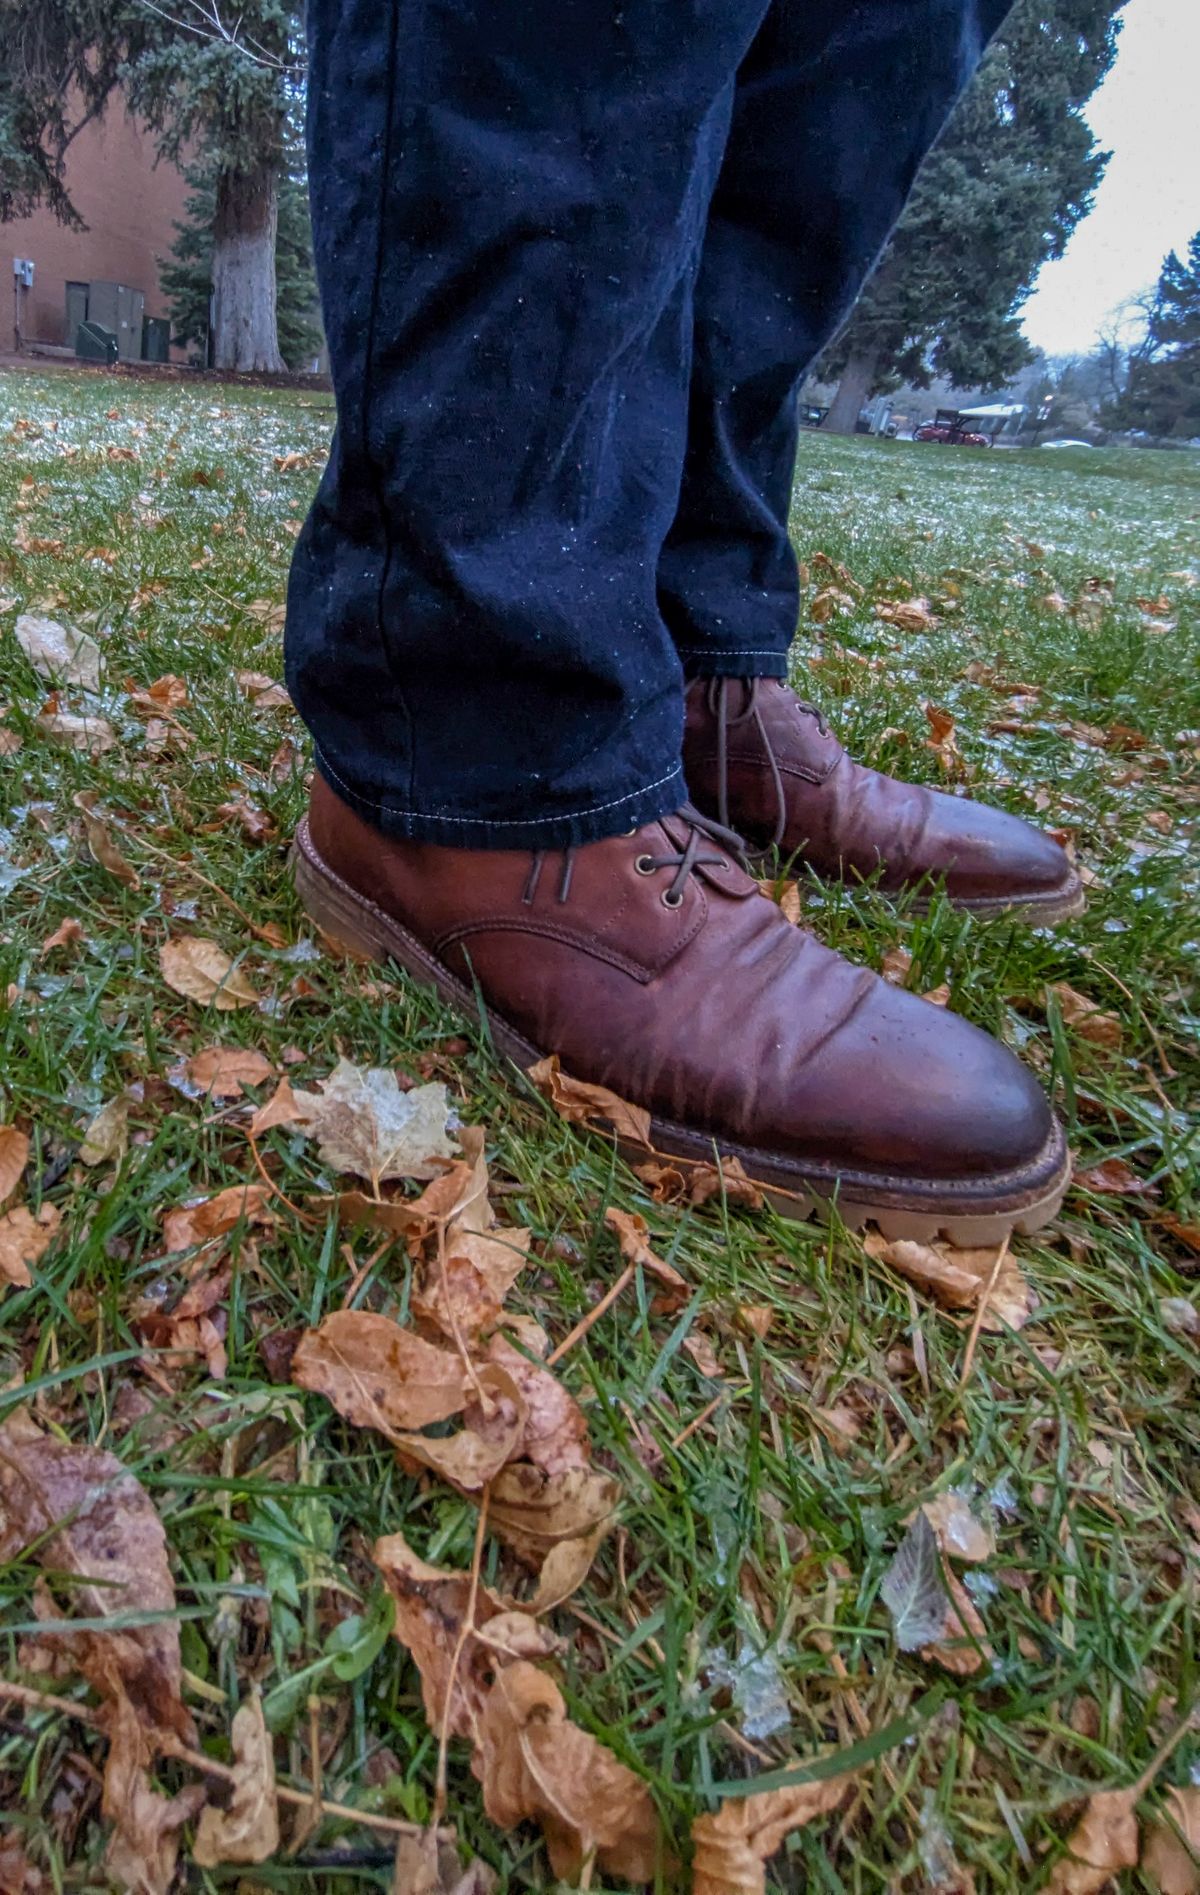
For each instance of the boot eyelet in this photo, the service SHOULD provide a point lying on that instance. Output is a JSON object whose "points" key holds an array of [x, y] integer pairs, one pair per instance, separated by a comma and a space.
{"points": [[670, 900], [644, 865]]}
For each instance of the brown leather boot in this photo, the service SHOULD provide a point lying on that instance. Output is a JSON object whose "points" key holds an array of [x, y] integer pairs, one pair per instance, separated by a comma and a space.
{"points": [[759, 758], [651, 964]]}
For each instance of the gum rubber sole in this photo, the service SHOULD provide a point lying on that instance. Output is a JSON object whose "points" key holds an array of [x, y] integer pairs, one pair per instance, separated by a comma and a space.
{"points": [[968, 1212], [1036, 911]]}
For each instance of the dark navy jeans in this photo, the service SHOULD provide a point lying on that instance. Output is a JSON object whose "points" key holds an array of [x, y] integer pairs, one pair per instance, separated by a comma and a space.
{"points": [[575, 256]]}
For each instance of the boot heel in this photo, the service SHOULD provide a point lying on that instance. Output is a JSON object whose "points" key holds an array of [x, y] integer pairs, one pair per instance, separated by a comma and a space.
{"points": [[345, 929]]}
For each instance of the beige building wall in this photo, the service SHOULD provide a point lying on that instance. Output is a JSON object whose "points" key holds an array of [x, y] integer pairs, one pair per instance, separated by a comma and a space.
{"points": [[129, 204]]}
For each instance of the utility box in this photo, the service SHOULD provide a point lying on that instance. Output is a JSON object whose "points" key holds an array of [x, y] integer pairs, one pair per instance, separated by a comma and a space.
{"points": [[117, 307], [95, 344], [156, 339]]}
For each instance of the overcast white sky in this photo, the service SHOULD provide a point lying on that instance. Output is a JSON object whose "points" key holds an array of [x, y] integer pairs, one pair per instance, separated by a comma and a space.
{"points": [[1147, 113]]}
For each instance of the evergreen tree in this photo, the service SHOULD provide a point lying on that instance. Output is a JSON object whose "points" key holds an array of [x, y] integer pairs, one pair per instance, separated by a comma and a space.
{"points": [[1163, 393], [227, 88], [1011, 176], [186, 276]]}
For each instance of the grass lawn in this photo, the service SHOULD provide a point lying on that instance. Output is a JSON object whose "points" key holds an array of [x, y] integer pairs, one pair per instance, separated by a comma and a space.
{"points": [[733, 1622]]}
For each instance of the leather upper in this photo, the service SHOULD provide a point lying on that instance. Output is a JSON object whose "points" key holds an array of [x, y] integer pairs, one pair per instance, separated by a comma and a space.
{"points": [[716, 1012], [846, 819]]}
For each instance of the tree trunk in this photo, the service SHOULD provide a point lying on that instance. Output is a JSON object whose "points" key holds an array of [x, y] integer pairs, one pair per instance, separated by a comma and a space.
{"points": [[857, 381], [245, 337]]}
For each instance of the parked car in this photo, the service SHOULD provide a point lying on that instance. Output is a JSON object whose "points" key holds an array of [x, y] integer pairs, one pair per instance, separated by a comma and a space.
{"points": [[951, 428]]}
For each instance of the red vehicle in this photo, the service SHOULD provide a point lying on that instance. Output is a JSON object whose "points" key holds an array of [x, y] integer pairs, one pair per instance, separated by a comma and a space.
{"points": [[952, 428]]}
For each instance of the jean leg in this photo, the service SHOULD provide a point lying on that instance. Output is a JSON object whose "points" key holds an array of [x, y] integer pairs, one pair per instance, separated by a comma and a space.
{"points": [[836, 104], [508, 206]]}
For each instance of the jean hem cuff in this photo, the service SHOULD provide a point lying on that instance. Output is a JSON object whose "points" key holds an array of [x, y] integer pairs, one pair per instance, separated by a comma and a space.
{"points": [[700, 661], [612, 817]]}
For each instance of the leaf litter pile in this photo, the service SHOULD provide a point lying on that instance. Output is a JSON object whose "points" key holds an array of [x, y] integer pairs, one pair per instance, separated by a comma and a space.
{"points": [[394, 1485]]}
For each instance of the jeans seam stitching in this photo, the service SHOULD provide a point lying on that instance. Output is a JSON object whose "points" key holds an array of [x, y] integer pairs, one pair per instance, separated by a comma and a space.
{"points": [[498, 822], [394, 94]]}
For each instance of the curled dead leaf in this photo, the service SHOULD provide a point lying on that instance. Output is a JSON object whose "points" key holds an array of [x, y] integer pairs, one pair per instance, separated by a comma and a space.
{"points": [[14, 1155], [431, 1605], [1171, 1856], [957, 1279], [379, 1375], [536, 1765], [533, 1512], [731, 1847], [1102, 1843], [248, 1830], [583, 1104], [280, 1109], [215, 1216], [24, 1238], [107, 1135], [100, 842], [633, 1235], [1086, 1017], [59, 652]]}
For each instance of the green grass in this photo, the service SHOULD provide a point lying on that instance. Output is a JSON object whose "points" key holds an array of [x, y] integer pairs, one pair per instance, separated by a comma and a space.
{"points": [[1077, 1436]]}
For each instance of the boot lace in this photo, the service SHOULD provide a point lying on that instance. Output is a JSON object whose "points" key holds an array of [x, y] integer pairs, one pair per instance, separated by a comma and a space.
{"points": [[697, 853], [720, 690]]}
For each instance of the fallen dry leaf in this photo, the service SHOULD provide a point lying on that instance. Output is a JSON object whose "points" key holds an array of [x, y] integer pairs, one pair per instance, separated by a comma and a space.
{"points": [[727, 1180], [731, 1847], [1086, 1018], [1113, 1178], [114, 1546], [536, 1765], [907, 615], [556, 1431], [379, 1375], [196, 1325], [961, 1646], [144, 1848], [99, 842], [280, 1109], [941, 740], [69, 933], [94, 735], [365, 1124], [633, 1235], [23, 1239], [431, 1608], [59, 652], [957, 1530], [248, 1830], [223, 1071], [1171, 1856], [1104, 1841], [831, 600], [583, 1104], [913, 1589], [704, 1356], [534, 1512], [202, 971], [256, 825], [14, 1155], [107, 1136], [957, 1279], [895, 966], [191, 1224]]}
